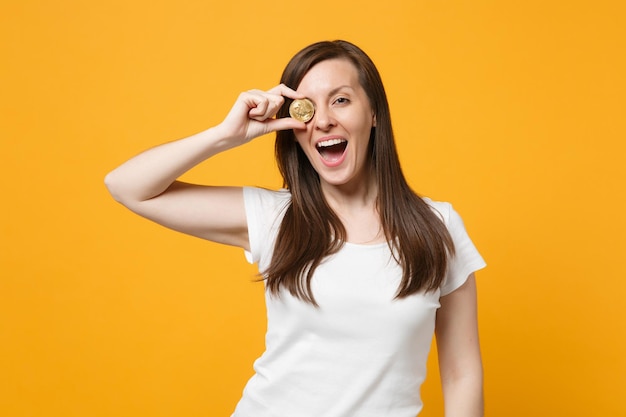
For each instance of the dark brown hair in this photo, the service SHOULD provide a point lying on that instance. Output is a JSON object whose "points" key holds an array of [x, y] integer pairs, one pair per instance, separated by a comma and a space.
{"points": [[311, 230]]}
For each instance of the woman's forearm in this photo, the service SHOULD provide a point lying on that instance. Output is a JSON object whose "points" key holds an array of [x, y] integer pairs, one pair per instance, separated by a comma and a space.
{"points": [[151, 172], [463, 397]]}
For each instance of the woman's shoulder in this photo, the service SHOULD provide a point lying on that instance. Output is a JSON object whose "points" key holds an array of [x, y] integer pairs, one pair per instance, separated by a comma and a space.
{"points": [[279, 195], [446, 212], [266, 199], [441, 208]]}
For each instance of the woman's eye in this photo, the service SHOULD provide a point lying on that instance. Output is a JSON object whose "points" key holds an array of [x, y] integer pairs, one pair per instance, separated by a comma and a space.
{"points": [[342, 100]]}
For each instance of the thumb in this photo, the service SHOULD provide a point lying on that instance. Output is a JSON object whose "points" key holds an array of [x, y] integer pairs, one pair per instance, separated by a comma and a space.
{"points": [[285, 123]]}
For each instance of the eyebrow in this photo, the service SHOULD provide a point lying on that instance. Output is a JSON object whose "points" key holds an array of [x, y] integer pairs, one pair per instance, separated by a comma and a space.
{"points": [[337, 89]]}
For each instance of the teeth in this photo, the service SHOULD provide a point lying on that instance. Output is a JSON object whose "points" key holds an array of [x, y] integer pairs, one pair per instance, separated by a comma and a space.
{"points": [[330, 142]]}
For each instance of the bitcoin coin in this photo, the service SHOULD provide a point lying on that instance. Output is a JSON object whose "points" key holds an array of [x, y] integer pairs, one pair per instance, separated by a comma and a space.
{"points": [[302, 109]]}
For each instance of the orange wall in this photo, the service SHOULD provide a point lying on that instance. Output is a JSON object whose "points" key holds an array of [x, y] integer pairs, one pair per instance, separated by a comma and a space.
{"points": [[514, 111]]}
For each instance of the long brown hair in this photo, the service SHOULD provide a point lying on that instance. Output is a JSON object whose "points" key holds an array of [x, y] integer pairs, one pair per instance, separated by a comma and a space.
{"points": [[311, 230]]}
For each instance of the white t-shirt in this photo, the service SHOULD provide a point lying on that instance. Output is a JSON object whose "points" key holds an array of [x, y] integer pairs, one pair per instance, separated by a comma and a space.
{"points": [[361, 353]]}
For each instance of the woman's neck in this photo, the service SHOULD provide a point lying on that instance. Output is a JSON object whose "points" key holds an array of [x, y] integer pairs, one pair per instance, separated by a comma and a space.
{"points": [[357, 209]]}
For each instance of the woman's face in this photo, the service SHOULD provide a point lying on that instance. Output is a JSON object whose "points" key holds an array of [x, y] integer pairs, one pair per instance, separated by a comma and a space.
{"points": [[336, 140]]}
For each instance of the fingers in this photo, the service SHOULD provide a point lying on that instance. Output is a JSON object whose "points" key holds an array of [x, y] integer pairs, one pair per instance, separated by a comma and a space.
{"points": [[264, 105], [285, 91], [254, 114]]}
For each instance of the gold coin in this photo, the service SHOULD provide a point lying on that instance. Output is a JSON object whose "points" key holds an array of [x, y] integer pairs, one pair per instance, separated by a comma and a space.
{"points": [[302, 109]]}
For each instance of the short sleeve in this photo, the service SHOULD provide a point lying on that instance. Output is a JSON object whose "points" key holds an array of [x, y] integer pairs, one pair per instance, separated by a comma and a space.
{"points": [[264, 210], [466, 259]]}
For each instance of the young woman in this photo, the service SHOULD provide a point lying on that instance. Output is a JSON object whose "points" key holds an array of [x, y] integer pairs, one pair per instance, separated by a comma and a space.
{"points": [[359, 270]]}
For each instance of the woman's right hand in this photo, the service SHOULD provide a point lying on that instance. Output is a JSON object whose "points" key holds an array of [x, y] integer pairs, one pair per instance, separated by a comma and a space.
{"points": [[253, 115]]}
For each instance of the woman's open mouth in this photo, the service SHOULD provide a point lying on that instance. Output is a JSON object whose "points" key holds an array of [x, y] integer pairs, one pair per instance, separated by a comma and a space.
{"points": [[332, 150]]}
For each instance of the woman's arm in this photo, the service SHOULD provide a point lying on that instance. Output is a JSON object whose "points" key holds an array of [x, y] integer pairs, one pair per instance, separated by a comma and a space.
{"points": [[458, 347], [147, 185]]}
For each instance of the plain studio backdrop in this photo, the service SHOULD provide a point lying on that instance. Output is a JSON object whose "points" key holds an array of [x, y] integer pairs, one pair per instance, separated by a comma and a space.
{"points": [[513, 111]]}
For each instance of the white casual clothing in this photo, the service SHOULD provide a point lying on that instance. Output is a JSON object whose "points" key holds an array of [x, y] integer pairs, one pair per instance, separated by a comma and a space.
{"points": [[361, 353]]}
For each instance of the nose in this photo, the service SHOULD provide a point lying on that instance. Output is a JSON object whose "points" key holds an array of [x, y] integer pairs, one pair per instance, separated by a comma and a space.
{"points": [[323, 119]]}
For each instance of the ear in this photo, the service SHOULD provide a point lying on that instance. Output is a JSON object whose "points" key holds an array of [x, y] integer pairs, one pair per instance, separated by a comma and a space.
{"points": [[373, 120]]}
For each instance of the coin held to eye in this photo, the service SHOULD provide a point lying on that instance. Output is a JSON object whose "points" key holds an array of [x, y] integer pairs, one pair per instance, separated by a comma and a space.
{"points": [[302, 109]]}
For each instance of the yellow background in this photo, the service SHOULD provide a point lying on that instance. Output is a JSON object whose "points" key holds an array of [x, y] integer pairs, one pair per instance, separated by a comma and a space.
{"points": [[514, 111]]}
